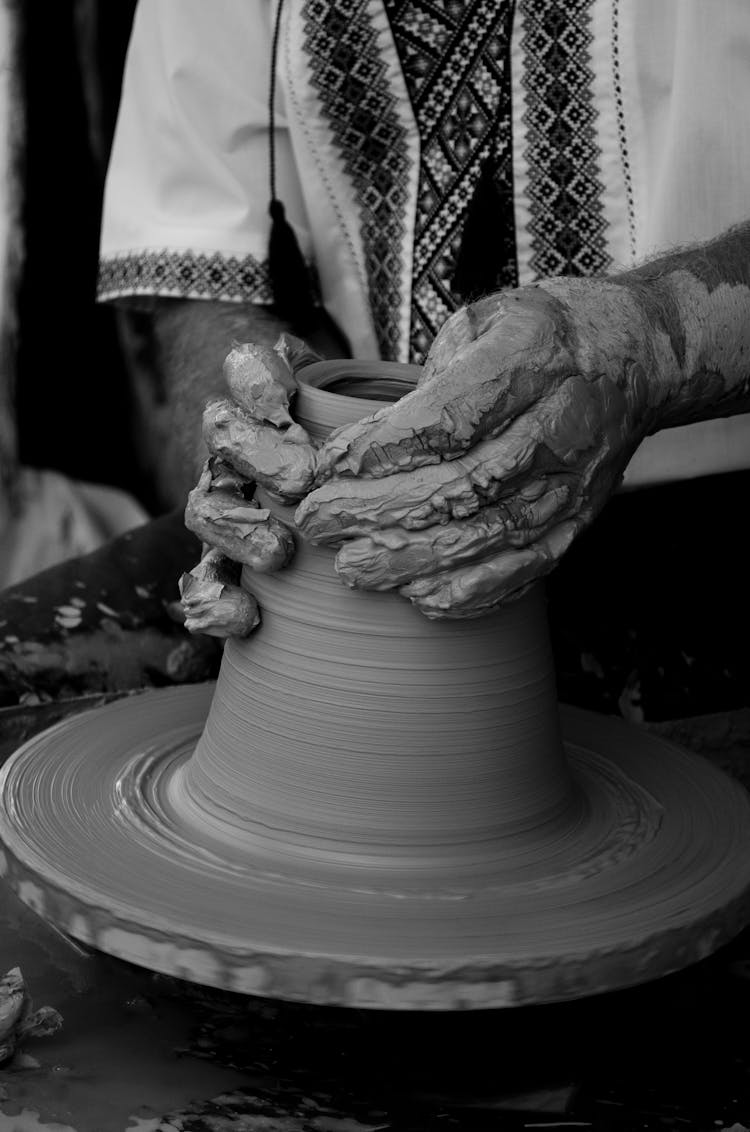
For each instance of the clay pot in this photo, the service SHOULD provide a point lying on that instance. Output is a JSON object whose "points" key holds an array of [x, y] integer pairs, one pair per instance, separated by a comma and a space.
{"points": [[351, 726]]}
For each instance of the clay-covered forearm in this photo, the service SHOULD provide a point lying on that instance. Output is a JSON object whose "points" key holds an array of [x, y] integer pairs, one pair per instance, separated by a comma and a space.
{"points": [[697, 306], [674, 333], [176, 350]]}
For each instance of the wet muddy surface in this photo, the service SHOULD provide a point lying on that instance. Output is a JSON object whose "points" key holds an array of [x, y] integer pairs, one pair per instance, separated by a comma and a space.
{"points": [[140, 1053]]}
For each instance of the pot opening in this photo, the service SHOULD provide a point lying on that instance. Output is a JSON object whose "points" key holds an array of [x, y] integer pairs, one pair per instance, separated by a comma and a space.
{"points": [[369, 388], [339, 391]]}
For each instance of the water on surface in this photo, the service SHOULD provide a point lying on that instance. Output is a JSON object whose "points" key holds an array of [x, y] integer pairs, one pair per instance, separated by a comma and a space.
{"points": [[114, 1065], [136, 1048]]}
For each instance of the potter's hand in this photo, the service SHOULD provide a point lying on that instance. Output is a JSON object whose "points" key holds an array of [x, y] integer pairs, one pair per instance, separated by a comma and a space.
{"points": [[471, 487], [213, 601], [252, 440], [251, 431]]}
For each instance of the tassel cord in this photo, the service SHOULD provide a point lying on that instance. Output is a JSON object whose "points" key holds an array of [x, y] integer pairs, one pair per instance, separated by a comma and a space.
{"points": [[291, 285], [272, 102]]}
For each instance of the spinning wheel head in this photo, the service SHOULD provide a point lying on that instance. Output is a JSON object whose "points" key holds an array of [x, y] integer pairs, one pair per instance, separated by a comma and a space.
{"points": [[646, 872]]}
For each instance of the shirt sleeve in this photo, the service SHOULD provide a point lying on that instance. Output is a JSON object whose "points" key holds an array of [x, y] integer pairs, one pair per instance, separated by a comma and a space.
{"points": [[188, 185]]}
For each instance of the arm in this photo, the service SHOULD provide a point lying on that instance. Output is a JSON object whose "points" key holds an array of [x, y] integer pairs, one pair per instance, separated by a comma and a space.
{"points": [[185, 225], [532, 402], [175, 350], [693, 310], [698, 302]]}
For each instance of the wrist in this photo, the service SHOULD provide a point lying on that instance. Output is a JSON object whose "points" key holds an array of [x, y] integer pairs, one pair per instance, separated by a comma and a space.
{"points": [[699, 298], [658, 314], [610, 335]]}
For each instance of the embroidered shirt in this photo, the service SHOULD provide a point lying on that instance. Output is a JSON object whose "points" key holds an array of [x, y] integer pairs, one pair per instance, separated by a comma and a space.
{"points": [[615, 129]]}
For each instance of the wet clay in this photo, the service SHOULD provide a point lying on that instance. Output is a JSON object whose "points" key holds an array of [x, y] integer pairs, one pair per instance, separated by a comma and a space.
{"points": [[376, 810]]}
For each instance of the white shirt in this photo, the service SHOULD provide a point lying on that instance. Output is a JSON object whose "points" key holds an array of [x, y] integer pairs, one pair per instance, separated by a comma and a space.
{"points": [[646, 101]]}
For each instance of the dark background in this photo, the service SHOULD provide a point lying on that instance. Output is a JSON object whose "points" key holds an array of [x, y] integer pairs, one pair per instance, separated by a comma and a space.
{"points": [[71, 393]]}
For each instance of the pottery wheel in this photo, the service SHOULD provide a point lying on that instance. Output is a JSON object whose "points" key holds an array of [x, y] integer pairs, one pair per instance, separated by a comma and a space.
{"points": [[653, 874], [372, 809]]}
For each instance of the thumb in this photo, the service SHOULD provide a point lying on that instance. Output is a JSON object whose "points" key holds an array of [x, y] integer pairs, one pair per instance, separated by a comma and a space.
{"points": [[260, 382]]}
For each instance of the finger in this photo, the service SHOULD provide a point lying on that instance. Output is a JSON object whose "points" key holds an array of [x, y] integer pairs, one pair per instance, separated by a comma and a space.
{"points": [[222, 477], [231, 613], [261, 382], [485, 368], [388, 559], [214, 566], [455, 489], [240, 529], [573, 428], [212, 601], [283, 462], [346, 508], [482, 587], [295, 352]]}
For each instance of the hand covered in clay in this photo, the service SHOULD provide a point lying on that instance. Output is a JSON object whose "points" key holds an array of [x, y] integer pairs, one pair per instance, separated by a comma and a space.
{"points": [[470, 488], [253, 441]]}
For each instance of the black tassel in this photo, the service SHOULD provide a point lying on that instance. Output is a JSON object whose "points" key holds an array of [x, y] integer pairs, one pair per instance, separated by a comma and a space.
{"points": [[479, 260], [291, 285]]}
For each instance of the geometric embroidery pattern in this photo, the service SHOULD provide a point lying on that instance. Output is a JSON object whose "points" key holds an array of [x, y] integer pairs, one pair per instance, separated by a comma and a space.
{"points": [[455, 57], [565, 190], [455, 61], [186, 274], [350, 77]]}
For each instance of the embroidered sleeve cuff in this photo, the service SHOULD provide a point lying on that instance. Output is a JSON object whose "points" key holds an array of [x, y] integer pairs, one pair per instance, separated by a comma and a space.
{"points": [[183, 275]]}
